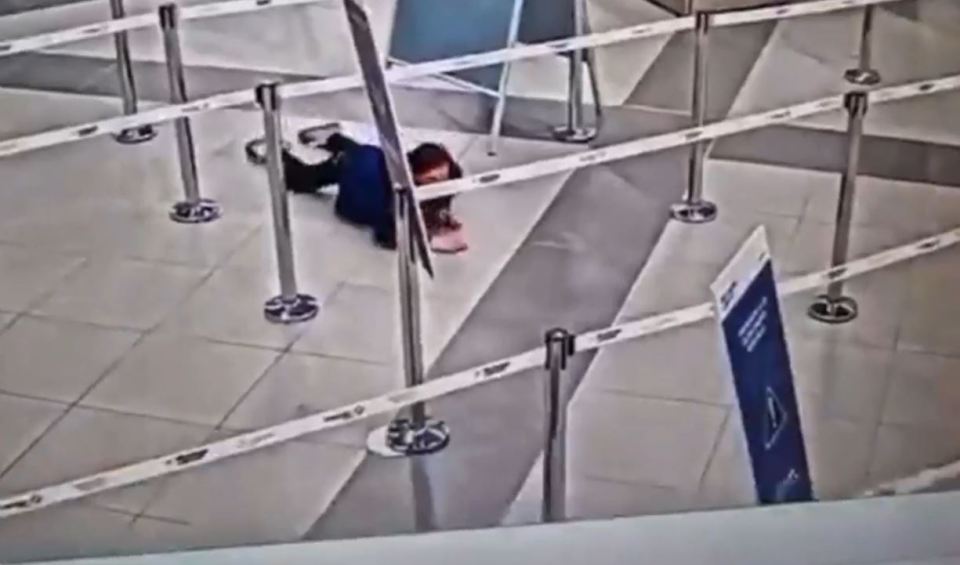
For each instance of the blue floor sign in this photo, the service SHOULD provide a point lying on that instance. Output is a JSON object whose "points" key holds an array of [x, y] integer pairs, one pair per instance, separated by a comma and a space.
{"points": [[745, 295]]}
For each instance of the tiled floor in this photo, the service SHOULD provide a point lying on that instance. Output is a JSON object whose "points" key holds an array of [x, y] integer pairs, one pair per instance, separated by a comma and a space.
{"points": [[868, 391], [125, 336]]}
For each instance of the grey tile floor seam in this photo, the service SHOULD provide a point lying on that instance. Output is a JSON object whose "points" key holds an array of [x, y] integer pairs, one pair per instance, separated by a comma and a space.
{"points": [[71, 405], [733, 53], [822, 150], [96, 76], [531, 119]]}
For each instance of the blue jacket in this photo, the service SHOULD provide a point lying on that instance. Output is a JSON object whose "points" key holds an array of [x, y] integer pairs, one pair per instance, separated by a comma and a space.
{"points": [[365, 196]]}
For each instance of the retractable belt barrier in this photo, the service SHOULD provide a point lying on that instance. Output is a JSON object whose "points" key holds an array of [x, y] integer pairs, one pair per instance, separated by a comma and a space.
{"points": [[140, 21], [394, 401], [679, 138], [398, 74], [216, 9]]}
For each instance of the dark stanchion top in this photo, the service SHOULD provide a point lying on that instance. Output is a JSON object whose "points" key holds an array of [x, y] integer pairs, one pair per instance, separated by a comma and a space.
{"points": [[267, 95]]}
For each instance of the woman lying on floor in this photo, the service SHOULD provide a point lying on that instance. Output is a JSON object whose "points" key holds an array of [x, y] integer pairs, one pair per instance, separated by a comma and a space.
{"points": [[365, 196]]}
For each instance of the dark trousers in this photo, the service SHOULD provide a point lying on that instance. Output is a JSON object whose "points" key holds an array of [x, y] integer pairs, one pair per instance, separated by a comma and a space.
{"points": [[306, 178]]}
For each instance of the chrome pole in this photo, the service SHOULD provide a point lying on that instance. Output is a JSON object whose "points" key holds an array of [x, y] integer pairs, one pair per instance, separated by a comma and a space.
{"points": [[693, 209], [128, 88], [575, 131], [834, 307], [501, 105], [560, 346], [417, 434], [193, 209], [290, 306], [865, 74]]}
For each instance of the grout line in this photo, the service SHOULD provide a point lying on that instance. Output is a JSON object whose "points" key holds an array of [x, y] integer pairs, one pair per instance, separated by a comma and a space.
{"points": [[220, 426], [728, 420], [656, 398], [623, 482], [26, 396]]}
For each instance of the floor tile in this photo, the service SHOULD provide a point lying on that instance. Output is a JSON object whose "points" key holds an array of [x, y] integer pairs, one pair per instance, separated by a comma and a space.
{"points": [[358, 323], [666, 285], [630, 439], [299, 385], [906, 450], [23, 421], [812, 246], [680, 364], [90, 441], [156, 238], [840, 381], [727, 481], [29, 275], [229, 307], [900, 207], [127, 294], [839, 455], [881, 296], [317, 246], [779, 191], [58, 360], [595, 499], [64, 532], [924, 391], [929, 320], [289, 486], [182, 378], [716, 242]]}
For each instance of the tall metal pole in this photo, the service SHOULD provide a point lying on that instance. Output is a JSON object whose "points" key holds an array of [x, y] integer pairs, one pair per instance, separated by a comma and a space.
{"points": [[834, 307], [865, 74], [193, 209], [693, 209], [128, 88], [416, 434], [501, 106], [560, 346], [290, 306], [575, 131]]}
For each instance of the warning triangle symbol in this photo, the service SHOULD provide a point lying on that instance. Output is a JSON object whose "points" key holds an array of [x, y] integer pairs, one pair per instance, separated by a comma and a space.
{"points": [[775, 418]]}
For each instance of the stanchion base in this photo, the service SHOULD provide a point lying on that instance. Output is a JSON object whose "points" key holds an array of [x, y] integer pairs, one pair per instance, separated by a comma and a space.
{"points": [[280, 310], [133, 136], [575, 135], [694, 212], [401, 439], [862, 77], [199, 212], [833, 310]]}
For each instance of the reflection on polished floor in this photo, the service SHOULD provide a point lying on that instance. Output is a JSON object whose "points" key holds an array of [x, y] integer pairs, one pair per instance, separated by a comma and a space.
{"points": [[125, 336]]}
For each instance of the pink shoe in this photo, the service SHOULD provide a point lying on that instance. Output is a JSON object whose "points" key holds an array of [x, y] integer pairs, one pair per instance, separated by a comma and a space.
{"points": [[450, 242]]}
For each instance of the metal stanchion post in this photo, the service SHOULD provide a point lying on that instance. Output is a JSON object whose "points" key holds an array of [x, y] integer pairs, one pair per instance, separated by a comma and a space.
{"points": [[501, 105], [128, 89], [417, 434], [865, 74], [193, 209], [575, 131], [290, 306], [560, 346], [833, 307], [694, 209]]}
